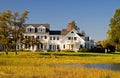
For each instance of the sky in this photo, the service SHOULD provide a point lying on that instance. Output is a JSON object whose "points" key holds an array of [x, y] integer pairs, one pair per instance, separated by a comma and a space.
{"points": [[92, 16]]}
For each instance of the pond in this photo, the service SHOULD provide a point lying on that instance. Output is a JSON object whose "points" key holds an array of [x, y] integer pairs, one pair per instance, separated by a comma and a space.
{"points": [[114, 67]]}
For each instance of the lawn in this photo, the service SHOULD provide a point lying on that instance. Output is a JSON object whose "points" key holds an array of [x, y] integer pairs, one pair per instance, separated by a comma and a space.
{"points": [[38, 65]]}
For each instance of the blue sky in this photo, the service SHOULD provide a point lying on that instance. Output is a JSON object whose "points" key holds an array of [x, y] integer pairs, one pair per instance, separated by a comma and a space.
{"points": [[92, 16]]}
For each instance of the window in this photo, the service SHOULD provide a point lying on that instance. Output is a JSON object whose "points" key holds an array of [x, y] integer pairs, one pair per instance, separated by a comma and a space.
{"points": [[72, 47], [69, 38], [30, 29], [37, 37], [25, 46], [41, 37], [41, 46], [58, 47], [41, 29], [38, 46], [50, 38], [57, 38], [50, 47], [75, 38], [72, 32], [28, 45], [45, 37], [81, 46], [25, 36], [63, 46], [36, 30], [53, 38]]}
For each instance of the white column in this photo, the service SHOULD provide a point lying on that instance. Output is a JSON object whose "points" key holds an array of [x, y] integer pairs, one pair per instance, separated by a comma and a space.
{"points": [[35, 47]]}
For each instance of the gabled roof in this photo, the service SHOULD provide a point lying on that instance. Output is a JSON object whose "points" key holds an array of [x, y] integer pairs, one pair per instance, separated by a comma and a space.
{"points": [[74, 34], [53, 32], [37, 25]]}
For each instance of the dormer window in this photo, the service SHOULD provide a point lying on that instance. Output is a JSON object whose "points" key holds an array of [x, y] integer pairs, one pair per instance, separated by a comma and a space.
{"points": [[30, 29], [41, 29]]}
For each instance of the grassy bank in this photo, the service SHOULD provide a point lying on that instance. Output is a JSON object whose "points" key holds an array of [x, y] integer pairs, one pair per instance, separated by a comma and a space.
{"points": [[36, 65]]}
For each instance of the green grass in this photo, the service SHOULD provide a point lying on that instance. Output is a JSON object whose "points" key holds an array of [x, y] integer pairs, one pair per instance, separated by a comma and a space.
{"points": [[36, 65]]}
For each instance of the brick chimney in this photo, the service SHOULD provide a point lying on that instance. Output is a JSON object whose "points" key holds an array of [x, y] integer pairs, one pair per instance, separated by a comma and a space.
{"points": [[69, 27]]}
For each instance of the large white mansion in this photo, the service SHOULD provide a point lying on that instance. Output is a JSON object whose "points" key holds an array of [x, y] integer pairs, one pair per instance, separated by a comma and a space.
{"points": [[65, 39]]}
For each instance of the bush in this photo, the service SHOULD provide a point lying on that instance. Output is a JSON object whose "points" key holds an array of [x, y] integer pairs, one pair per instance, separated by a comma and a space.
{"points": [[83, 50], [67, 50]]}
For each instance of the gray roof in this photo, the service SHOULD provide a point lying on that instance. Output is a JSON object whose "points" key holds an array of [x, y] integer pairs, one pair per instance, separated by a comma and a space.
{"points": [[64, 32]]}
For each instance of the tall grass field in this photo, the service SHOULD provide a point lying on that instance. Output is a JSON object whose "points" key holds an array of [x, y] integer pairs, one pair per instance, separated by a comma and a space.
{"points": [[40, 65]]}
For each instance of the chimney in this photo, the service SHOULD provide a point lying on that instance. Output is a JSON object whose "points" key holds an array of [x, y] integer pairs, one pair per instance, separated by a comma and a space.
{"points": [[69, 27]]}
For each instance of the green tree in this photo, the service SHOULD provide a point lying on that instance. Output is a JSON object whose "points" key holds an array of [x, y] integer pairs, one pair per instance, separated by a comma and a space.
{"points": [[114, 31], [18, 28], [74, 25], [11, 28], [31, 41], [5, 29], [4, 36]]}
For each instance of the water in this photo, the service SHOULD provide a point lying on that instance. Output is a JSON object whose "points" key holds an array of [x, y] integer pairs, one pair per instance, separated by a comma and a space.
{"points": [[114, 67]]}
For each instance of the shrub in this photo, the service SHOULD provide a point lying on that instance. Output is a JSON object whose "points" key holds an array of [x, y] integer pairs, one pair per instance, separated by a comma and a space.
{"points": [[83, 50], [67, 50]]}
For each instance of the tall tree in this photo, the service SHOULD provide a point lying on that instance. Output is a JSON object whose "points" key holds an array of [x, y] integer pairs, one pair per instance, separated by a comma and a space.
{"points": [[18, 28], [4, 36], [5, 29], [74, 25], [11, 28], [114, 31]]}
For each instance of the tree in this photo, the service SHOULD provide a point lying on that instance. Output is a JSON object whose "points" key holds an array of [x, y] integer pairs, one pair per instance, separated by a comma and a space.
{"points": [[114, 31], [5, 29], [31, 41], [4, 34], [74, 25], [18, 28], [11, 28]]}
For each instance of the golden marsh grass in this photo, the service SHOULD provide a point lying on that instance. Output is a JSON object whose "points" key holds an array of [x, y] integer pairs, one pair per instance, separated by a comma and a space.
{"points": [[36, 65]]}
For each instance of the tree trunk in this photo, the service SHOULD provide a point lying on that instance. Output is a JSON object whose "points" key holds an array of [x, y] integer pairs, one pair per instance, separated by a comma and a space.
{"points": [[116, 47], [15, 50], [5, 49]]}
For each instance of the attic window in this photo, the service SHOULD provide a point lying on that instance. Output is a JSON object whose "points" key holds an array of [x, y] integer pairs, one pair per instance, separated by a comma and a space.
{"points": [[72, 32]]}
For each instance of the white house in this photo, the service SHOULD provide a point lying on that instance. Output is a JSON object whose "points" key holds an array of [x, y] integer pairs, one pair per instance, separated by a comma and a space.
{"points": [[65, 39]]}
